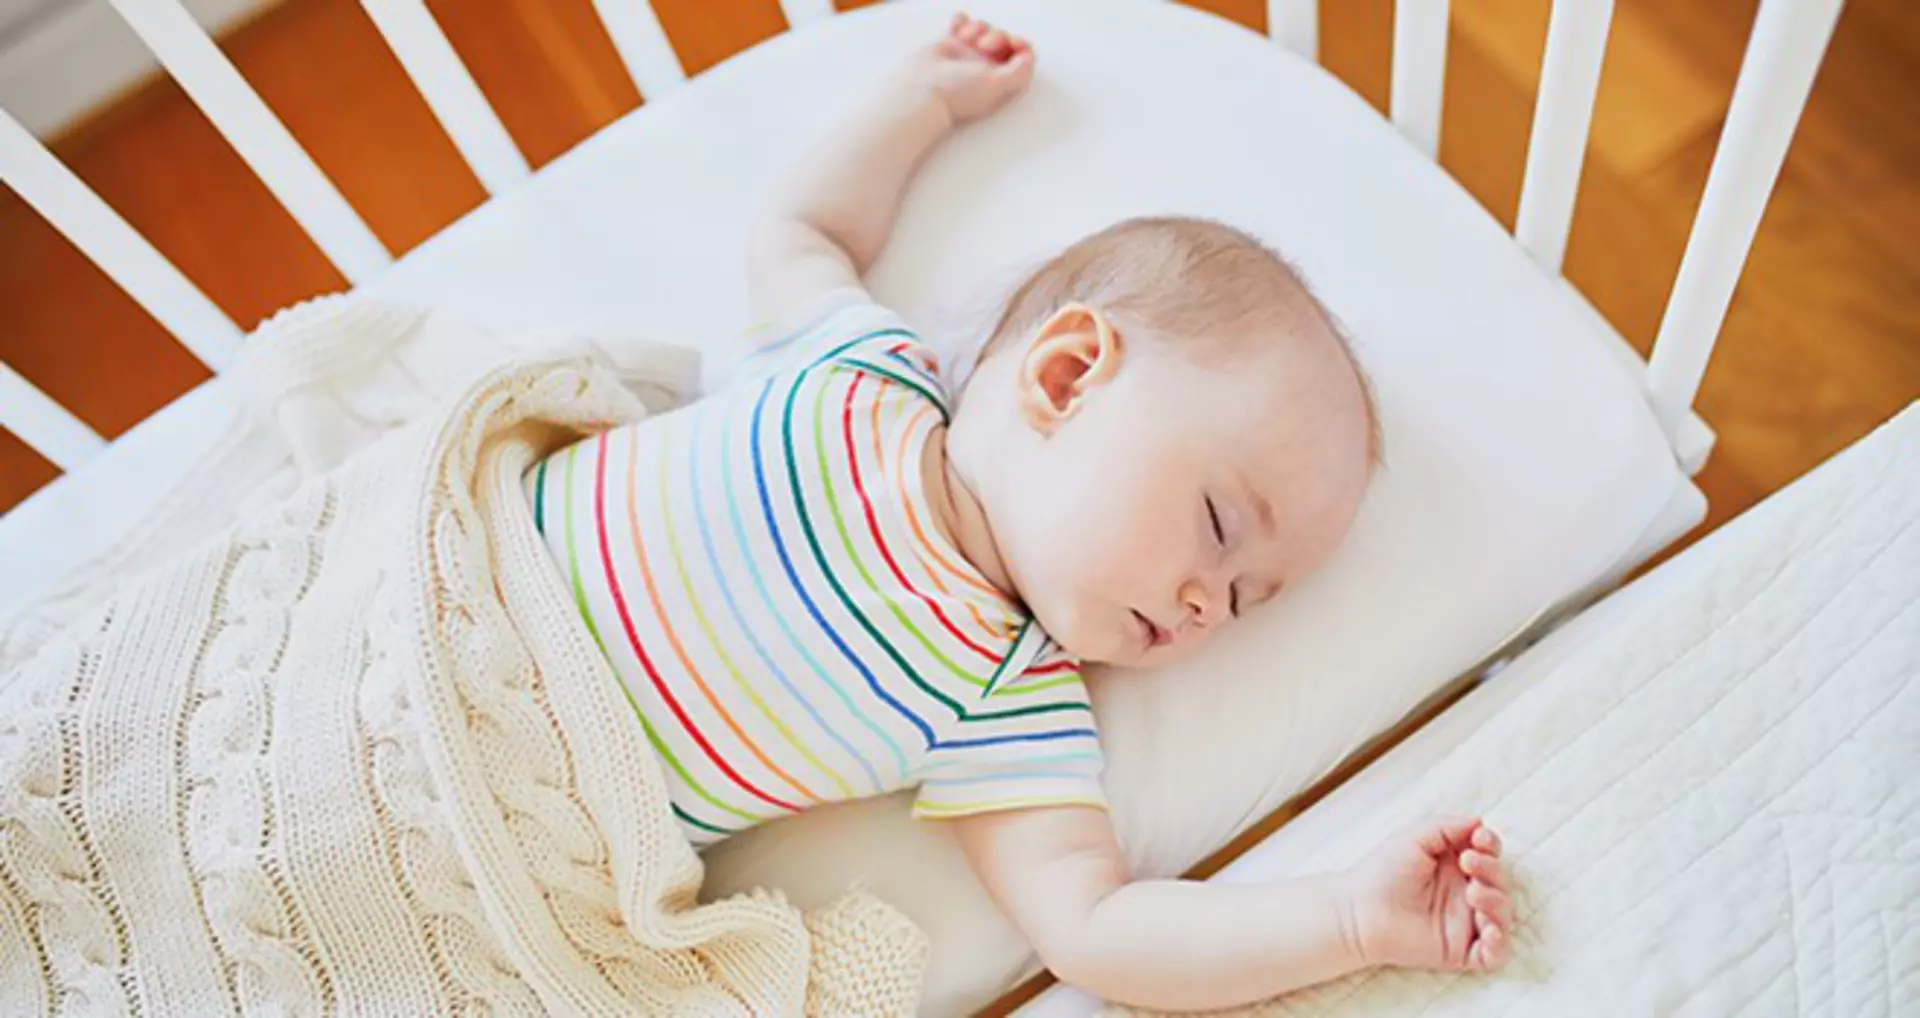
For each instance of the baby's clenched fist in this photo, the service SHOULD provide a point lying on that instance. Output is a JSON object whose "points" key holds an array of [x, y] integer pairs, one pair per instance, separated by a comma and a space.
{"points": [[975, 69], [1435, 896]]}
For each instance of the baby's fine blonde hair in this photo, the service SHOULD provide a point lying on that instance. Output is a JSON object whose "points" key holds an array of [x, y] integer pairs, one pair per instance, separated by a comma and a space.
{"points": [[1199, 283]]}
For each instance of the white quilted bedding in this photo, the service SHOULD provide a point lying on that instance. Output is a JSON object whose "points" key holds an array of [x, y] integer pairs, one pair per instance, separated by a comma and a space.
{"points": [[1713, 804]]}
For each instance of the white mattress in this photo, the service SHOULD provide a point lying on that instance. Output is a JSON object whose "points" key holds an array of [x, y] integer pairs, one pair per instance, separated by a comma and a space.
{"points": [[1707, 782], [1524, 466]]}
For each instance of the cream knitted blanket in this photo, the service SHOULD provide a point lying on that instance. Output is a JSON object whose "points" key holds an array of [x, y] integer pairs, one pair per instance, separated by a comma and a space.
{"points": [[349, 749]]}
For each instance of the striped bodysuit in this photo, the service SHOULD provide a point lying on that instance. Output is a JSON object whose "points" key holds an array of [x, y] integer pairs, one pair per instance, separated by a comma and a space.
{"points": [[764, 571]]}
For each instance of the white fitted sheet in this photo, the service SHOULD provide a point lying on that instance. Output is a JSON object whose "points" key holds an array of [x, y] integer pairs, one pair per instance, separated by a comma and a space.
{"points": [[1705, 781]]}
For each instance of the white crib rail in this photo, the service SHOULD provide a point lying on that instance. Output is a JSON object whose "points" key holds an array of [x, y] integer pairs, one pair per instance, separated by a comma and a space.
{"points": [[642, 44], [243, 118], [1562, 114], [1783, 55], [1419, 71], [52, 190], [429, 59], [1295, 24], [47, 427], [803, 12]]}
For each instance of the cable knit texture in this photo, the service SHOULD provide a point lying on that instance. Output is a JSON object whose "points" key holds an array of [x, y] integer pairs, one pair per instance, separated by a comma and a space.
{"points": [[325, 734]]}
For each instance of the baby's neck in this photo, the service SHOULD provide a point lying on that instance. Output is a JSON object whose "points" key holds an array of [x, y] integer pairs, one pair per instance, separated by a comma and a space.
{"points": [[960, 517]]}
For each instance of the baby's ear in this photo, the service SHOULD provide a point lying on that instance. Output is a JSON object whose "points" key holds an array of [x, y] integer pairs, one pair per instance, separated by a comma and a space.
{"points": [[1071, 355]]}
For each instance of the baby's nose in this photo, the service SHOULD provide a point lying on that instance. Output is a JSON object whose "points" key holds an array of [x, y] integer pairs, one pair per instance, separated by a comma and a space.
{"points": [[1204, 607]]}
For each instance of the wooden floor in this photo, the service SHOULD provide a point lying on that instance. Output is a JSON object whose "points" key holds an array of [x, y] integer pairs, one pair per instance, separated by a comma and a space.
{"points": [[1823, 341]]}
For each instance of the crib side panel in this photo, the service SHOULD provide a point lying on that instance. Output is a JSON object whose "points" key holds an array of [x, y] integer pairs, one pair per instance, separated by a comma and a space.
{"points": [[242, 117], [444, 82], [52, 190], [1788, 41]]}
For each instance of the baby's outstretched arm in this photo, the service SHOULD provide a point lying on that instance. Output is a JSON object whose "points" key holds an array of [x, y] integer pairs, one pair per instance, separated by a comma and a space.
{"points": [[831, 223], [1433, 897]]}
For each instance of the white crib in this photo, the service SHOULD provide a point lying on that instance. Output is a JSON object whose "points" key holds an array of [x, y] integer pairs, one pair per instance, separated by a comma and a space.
{"points": [[107, 486]]}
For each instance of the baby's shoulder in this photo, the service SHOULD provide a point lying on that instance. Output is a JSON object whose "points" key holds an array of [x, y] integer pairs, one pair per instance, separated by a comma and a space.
{"points": [[844, 327]]}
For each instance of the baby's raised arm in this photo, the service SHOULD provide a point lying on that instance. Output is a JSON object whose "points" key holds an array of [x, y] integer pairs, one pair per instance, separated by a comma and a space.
{"points": [[1434, 897], [832, 221]]}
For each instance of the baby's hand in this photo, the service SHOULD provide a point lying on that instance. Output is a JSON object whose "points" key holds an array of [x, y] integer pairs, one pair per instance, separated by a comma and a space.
{"points": [[1434, 897], [975, 68]]}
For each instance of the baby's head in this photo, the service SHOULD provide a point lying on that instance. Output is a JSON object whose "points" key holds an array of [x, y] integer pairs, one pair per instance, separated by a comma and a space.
{"points": [[1164, 430]]}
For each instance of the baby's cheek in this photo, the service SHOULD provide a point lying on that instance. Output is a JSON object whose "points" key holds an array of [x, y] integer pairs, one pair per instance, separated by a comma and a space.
{"points": [[1078, 591], [1128, 549], [1086, 560], [1089, 561]]}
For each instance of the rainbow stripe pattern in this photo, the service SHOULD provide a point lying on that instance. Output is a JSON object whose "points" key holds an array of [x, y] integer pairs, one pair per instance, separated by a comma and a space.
{"points": [[764, 572]]}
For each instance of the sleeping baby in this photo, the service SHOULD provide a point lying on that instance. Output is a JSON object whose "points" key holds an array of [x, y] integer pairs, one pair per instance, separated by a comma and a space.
{"points": [[839, 577]]}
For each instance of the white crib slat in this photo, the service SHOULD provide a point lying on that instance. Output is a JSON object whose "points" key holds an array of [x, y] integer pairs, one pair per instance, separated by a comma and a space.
{"points": [[1295, 24], [642, 45], [1562, 114], [44, 425], [801, 12], [1419, 70], [436, 70], [213, 84], [1783, 55], [45, 183]]}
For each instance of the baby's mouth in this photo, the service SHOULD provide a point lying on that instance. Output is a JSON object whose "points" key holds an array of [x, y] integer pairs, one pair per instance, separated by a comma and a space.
{"points": [[1151, 633]]}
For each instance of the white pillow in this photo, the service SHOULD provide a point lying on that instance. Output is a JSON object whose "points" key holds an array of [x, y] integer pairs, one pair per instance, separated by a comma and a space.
{"points": [[1523, 462]]}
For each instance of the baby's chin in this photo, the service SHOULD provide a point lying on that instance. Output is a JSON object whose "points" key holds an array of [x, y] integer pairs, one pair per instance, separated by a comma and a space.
{"points": [[1122, 649], [1130, 652], [1084, 643], [1149, 658], [1089, 637]]}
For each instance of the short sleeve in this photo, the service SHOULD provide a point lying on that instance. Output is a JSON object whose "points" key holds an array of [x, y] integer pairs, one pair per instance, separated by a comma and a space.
{"points": [[840, 323], [1030, 742]]}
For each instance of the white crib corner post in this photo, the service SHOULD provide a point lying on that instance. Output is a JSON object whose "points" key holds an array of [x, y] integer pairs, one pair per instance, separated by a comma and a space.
{"points": [[1419, 71], [1783, 55], [1562, 115], [1295, 24]]}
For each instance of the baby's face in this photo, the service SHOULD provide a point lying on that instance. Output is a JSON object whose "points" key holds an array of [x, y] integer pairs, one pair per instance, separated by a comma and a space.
{"points": [[1181, 495]]}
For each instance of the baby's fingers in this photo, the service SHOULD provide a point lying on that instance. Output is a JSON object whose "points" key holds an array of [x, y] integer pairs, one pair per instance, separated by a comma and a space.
{"points": [[983, 38], [1448, 833], [1490, 949], [1016, 72], [1483, 867], [967, 30], [1486, 841], [1491, 902]]}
